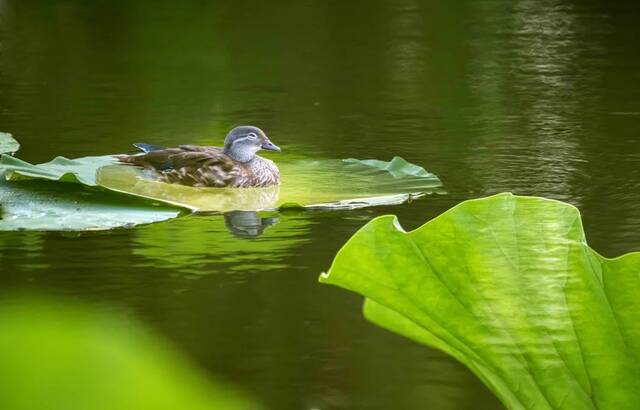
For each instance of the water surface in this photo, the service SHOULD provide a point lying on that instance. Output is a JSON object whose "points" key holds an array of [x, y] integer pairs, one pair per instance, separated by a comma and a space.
{"points": [[533, 97]]}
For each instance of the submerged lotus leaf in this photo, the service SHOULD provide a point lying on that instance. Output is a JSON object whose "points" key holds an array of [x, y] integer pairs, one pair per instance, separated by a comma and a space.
{"points": [[8, 145], [508, 286], [317, 183], [58, 355], [50, 206]]}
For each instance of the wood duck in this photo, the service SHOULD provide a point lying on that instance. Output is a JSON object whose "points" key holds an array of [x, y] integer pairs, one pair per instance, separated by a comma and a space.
{"points": [[235, 165]]}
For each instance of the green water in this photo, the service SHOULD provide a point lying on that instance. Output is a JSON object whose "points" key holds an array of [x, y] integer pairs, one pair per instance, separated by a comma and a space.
{"points": [[533, 97]]}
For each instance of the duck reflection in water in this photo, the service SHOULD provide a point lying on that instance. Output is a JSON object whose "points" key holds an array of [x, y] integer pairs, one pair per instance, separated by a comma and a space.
{"points": [[247, 224]]}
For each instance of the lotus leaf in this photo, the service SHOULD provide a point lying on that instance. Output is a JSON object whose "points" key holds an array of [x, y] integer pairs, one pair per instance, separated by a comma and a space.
{"points": [[318, 183], [508, 286], [8, 145], [81, 170], [50, 206]]}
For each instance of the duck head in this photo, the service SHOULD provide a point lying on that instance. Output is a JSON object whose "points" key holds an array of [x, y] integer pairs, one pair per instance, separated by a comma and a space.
{"points": [[242, 143]]}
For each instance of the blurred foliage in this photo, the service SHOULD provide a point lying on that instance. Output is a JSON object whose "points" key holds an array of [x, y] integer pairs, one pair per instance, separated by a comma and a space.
{"points": [[59, 355]]}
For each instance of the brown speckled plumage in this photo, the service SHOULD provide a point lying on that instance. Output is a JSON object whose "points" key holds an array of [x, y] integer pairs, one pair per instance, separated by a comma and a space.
{"points": [[234, 166]]}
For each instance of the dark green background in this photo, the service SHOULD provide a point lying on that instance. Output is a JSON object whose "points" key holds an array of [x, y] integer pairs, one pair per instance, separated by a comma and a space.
{"points": [[533, 97]]}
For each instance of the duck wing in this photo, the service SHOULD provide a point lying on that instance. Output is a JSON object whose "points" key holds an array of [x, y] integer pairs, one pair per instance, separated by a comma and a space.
{"points": [[202, 168], [191, 165], [155, 159]]}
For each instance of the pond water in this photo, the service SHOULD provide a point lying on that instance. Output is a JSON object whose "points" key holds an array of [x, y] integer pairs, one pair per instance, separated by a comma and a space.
{"points": [[533, 97]]}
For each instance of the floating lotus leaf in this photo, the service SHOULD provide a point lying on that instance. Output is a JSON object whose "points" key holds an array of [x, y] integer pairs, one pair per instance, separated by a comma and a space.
{"points": [[8, 145], [50, 206], [318, 183], [397, 167], [508, 286], [81, 170], [309, 184]]}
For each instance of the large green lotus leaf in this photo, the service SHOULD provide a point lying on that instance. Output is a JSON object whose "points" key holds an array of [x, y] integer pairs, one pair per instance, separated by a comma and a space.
{"points": [[50, 206], [305, 183], [64, 356], [508, 286], [8, 145]]}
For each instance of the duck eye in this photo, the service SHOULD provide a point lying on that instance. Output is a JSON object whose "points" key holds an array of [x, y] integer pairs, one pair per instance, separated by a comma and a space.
{"points": [[252, 136]]}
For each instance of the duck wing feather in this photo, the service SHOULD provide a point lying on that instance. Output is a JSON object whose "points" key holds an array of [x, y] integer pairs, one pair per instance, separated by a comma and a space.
{"points": [[189, 165]]}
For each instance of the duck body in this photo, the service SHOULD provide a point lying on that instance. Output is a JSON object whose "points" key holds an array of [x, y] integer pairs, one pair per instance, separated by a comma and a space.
{"points": [[235, 165]]}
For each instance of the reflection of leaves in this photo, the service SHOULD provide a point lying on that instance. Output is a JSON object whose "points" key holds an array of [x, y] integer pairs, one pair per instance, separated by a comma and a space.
{"points": [[44, 205], [199, 242], [8, 145], [58, 356], [508, 286]]}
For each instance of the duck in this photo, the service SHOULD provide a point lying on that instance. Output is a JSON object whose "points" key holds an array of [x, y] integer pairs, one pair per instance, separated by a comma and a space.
{"points": [[235, 165]]}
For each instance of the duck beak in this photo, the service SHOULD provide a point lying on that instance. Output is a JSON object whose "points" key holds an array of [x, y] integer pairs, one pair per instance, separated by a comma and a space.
{"points": [[270, 146]]}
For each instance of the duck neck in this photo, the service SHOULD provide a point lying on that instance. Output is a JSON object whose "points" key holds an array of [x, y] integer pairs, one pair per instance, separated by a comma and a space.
{"points": [[241, 154]]}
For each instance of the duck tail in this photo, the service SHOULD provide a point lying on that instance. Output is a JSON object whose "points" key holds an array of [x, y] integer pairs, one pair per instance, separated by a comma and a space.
{"points": [[126, 159], [147, 147], [138, 159]]}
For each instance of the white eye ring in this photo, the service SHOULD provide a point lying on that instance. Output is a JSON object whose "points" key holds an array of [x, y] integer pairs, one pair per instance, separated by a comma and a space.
{"points": [[252, 136]]}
